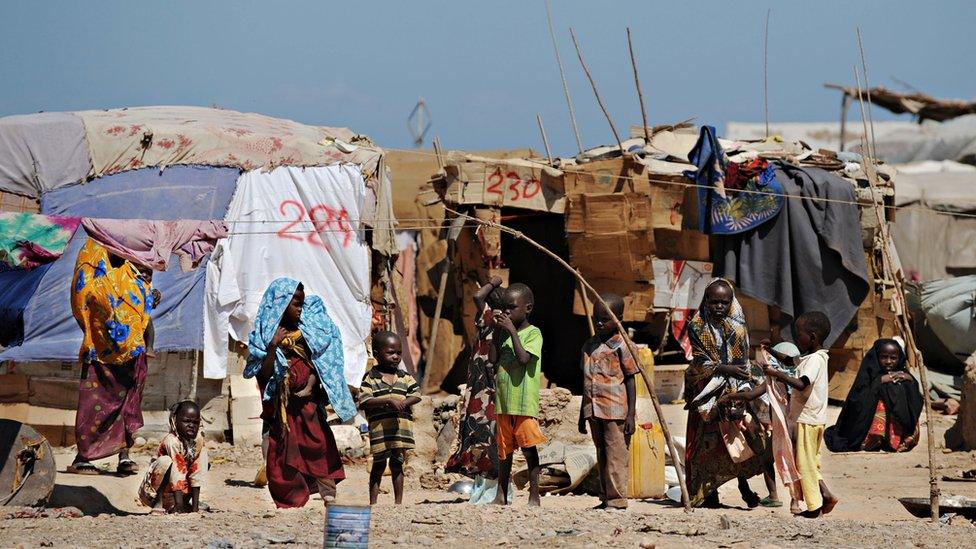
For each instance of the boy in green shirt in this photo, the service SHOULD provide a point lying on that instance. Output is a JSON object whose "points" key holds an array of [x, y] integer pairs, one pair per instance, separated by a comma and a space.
{"points": [[517, 384]]}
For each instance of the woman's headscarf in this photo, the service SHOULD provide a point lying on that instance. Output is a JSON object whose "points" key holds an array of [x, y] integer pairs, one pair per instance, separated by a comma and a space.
{"points": [[717, 342], [903, 402], [321, 334]]}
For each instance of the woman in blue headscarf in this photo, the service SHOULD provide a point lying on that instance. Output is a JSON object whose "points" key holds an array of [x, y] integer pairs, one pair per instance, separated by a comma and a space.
{"points": [[295, 351]]}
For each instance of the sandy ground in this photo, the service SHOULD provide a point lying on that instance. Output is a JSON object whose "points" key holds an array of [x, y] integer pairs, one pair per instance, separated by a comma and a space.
{"points": [[243, 516]]}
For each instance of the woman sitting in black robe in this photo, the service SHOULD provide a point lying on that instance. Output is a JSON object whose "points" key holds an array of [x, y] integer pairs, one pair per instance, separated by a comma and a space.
{"points": [[883, 406]]}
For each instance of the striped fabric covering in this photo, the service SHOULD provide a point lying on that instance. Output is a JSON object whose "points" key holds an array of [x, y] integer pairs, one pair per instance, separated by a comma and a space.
{"points": [[388, 429]]}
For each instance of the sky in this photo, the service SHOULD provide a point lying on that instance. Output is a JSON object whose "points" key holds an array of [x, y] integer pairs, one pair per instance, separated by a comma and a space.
{"points": [[485, 69]]}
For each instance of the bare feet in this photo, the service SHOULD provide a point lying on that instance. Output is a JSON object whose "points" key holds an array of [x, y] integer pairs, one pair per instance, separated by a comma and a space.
{"points": [[829, 504], [812, 514]]}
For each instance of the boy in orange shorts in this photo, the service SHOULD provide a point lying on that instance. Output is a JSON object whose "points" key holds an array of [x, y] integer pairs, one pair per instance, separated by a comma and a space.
{"points": [[517, 381]]}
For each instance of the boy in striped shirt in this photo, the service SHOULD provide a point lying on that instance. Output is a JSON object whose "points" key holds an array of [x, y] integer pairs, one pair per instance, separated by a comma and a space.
{"points": [[386, 396]]}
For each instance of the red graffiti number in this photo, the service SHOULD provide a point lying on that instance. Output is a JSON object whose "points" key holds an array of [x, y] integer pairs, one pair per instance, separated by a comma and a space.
{"points": [[517, 188], [285, 231], [322, 218], [495, 183]]}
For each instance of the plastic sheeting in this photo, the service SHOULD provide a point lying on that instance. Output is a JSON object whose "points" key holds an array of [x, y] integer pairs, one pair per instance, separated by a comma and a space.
{"points": [[950, 309], [305, 224], [41, 152], [50, 332], [16, 288]]}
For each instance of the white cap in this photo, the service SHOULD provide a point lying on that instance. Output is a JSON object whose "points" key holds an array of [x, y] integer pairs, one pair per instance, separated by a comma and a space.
{"points": [[787, 348]]}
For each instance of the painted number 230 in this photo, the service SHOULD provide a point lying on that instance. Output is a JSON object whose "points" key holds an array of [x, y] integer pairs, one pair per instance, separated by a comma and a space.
{"points": [[517, 188]]}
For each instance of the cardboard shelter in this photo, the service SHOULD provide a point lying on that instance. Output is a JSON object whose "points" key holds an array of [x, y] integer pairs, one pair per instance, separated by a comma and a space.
{"points": [[625, 222]]}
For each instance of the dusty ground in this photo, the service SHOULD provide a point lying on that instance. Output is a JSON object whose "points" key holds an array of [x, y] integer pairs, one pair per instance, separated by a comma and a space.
{"points": [[241, 516]]}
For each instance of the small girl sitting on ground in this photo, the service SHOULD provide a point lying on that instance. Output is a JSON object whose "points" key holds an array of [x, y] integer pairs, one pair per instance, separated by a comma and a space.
{"points": [[172, 483]]}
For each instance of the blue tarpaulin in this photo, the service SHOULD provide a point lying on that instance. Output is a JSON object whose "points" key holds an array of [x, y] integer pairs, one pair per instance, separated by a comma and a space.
{"points": [[16, 288], [179, 192]]}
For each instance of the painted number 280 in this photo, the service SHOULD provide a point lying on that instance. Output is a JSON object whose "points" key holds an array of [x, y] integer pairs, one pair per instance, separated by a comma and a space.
{"points": [[517, 188], [322, 217]]}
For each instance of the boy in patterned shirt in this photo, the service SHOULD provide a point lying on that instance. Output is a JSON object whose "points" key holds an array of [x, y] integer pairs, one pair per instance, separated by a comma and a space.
{"points": [[386, 396], [517, 382], [609, 401]]}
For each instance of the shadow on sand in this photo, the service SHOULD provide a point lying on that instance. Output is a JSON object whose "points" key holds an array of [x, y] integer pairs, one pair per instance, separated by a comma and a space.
{"points": [[88, 500]]}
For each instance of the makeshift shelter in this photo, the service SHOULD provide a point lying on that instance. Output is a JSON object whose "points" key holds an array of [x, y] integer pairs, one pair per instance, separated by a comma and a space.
{"points": [[308, 202], [896, 141], [629, 223], [423, 247]]}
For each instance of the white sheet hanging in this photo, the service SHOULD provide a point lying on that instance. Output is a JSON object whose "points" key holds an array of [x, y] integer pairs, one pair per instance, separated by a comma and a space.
{"points": [[303, 223]]}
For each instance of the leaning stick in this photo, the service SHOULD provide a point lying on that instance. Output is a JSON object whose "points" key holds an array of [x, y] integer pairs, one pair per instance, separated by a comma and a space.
{"points": [[902, 318], [562, 75], [623, 333], [545, 140], [640, 94], [867, 90], [579, 53], [766, 72]]}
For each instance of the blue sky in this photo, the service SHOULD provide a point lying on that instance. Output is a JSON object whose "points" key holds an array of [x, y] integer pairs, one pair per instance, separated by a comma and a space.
{"points": [[485, 68]]}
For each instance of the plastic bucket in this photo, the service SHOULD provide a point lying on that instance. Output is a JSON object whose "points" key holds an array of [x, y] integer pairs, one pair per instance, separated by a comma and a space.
{"points": [[347, 526]]}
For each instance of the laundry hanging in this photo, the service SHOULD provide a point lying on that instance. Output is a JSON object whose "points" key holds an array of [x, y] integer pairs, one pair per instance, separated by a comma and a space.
{"points": [[304, 224]]}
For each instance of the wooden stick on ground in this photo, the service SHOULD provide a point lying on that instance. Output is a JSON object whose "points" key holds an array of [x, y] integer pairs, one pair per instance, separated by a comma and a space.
{"points": [[911, 349], [623, 333], [640, 94], [562, 75], [579, 53]]}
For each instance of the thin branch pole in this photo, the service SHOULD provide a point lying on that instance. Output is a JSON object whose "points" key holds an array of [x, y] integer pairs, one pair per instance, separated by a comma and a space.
{"points": [[194, 376], [545, 140], [766, 72], [845, 100], [906, 328], [562, 75], [640, 94], [623, 333], [579, 53], [436, 143], [867, 89], [587, 309], [436, 320]]}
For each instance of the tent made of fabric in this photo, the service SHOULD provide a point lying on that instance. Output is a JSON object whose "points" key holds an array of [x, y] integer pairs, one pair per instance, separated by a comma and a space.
{"points": [[181, 192], [933, 240], [178, 163]]}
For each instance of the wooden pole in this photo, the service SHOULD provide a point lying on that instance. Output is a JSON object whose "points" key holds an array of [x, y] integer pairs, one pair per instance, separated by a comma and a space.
{"points": [[545, 140], [910, 347], [867, 89], [844, 103], [766, 72], [562, 75], [399, 322], [579, 53], [623, 333], [194, 375], [441, 289], [587, 309], [640, 94]]}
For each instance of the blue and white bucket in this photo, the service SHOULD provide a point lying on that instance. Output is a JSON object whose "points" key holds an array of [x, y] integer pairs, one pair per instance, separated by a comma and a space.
{"points": [[347, 526]]}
